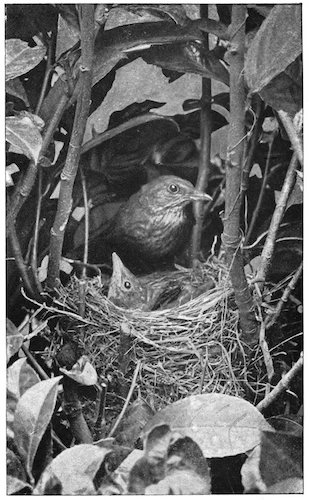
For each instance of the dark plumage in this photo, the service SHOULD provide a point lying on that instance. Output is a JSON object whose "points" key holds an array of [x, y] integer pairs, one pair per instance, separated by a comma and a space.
{"points": [[154, 225]]}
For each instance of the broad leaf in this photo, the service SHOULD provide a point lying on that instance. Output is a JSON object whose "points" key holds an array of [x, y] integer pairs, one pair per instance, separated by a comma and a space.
{"points": [[16, 486], [120, 16], [138, 82], [14, 339], [20, 58], [9, 171], [32, 416], [20, 377], [276, 45], [23, 134], [74, 469], [221, 425], [133, 422]]}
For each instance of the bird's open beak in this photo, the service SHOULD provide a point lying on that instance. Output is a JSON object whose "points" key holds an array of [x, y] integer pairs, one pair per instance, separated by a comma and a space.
{"points": [[199, 196]]}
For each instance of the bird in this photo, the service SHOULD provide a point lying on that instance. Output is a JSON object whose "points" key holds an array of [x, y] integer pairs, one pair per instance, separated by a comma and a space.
{"points": [[153, 291], [154, 225], [125, 289]]}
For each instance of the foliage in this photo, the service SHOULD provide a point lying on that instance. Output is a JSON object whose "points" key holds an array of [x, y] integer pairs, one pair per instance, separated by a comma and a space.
{"points": [[144, 119]]}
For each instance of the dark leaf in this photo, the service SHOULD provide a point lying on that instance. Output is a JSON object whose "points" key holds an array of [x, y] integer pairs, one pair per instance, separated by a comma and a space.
{"points": [[24, 135], [70, 14], [221, 425], [14, 339], [134, 420], [67, 37], [275, 46], [290, 485], [14, 466], [291, 424], [32, 416], [190, 57], [15, 88], [20, 58], [174, 12], [281, 457]]}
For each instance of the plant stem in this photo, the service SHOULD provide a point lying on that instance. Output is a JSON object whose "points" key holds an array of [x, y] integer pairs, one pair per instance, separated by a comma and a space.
{"points": [[281, 386], [70, 169], [204, 157], [231, 235], [270, 242], [261, 194], [293, 134], [287, 292]]}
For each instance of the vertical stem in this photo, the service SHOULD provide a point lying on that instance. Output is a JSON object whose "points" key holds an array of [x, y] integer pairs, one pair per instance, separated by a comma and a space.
{"points": [[270, 242], [205, 153], [70, 169], [231, 235]]}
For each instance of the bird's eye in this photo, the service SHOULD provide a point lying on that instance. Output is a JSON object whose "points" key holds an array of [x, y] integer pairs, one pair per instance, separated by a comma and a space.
{"points": [[127, 285], [174, 188]]}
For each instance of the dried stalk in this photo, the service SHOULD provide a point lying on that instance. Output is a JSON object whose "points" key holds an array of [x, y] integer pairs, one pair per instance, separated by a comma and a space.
{"points": [[292, 134]]}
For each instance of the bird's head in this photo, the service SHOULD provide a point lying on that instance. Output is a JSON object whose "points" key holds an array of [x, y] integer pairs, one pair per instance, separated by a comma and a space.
{"points": [[125, 289], [169, 191]]}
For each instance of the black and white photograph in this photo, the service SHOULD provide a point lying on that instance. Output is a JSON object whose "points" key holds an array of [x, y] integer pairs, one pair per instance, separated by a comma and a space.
{"points": [[154, 248]]}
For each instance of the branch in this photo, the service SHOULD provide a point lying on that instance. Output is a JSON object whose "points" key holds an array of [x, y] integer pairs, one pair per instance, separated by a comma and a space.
{"points": [[231, 235], [287, 292], [70, 169], [270, 242], [293, 135], [282, 386], [204, 157]]}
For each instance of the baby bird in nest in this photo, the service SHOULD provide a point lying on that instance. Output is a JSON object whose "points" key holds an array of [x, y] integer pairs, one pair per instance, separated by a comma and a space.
{"points": [[155, 224], [150, 292]]}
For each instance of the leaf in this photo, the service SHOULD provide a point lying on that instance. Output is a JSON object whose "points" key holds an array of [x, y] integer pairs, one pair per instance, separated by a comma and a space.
{"points": [[82, 372], [9, 171], [65, 266], [182, 482], [296, 196], [75, 469], [32, 416], [135, 418], [275, 46], [221, 425], [189, 57], [42, 270], [68, 31], [16, 486], [132, 85], [20, 58], [14, 339], [15, 88], [20, 377], [281, 457], [256, 171], [290, 485], [25, 135], [129, 14]]}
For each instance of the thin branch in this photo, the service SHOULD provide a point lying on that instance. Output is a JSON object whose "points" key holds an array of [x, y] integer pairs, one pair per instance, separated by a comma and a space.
{"points": [[286, 294], [34, 258], [204, 157], [51, 46], [129, 395], [269, 246], [70, 169], [293, 135], [261, 193], [282, 386], [35, 365]]}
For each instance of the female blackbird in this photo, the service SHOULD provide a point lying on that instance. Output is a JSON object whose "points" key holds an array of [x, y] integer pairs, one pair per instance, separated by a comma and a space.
{"points": [[154, 224]]}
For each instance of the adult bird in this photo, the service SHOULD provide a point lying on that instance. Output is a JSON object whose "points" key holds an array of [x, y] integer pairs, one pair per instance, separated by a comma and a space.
{"points": [[154, 225]]}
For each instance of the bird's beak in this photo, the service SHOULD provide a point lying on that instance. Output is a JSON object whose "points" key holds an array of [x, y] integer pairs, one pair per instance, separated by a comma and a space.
{"points": [[118, 266], [199, 196]]}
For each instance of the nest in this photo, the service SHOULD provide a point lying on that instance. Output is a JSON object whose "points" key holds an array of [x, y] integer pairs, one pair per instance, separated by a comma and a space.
{"points": [[189, 349]]}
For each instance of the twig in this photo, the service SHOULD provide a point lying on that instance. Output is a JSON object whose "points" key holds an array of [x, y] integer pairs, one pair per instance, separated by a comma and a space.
{"points": [[35, 365], [205, 153], [268, 249], [231, 235], [293, 135], [86, 219], [261, 193], [34, 258], [282, 386], [130, 392], [74, 413], [24, 188], [70, 169], [101, 409], [51, 46], [287, 292]]}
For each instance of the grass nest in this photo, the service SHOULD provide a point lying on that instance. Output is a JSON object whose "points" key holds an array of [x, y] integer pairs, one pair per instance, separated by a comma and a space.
{"points": [[184, 350]]}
